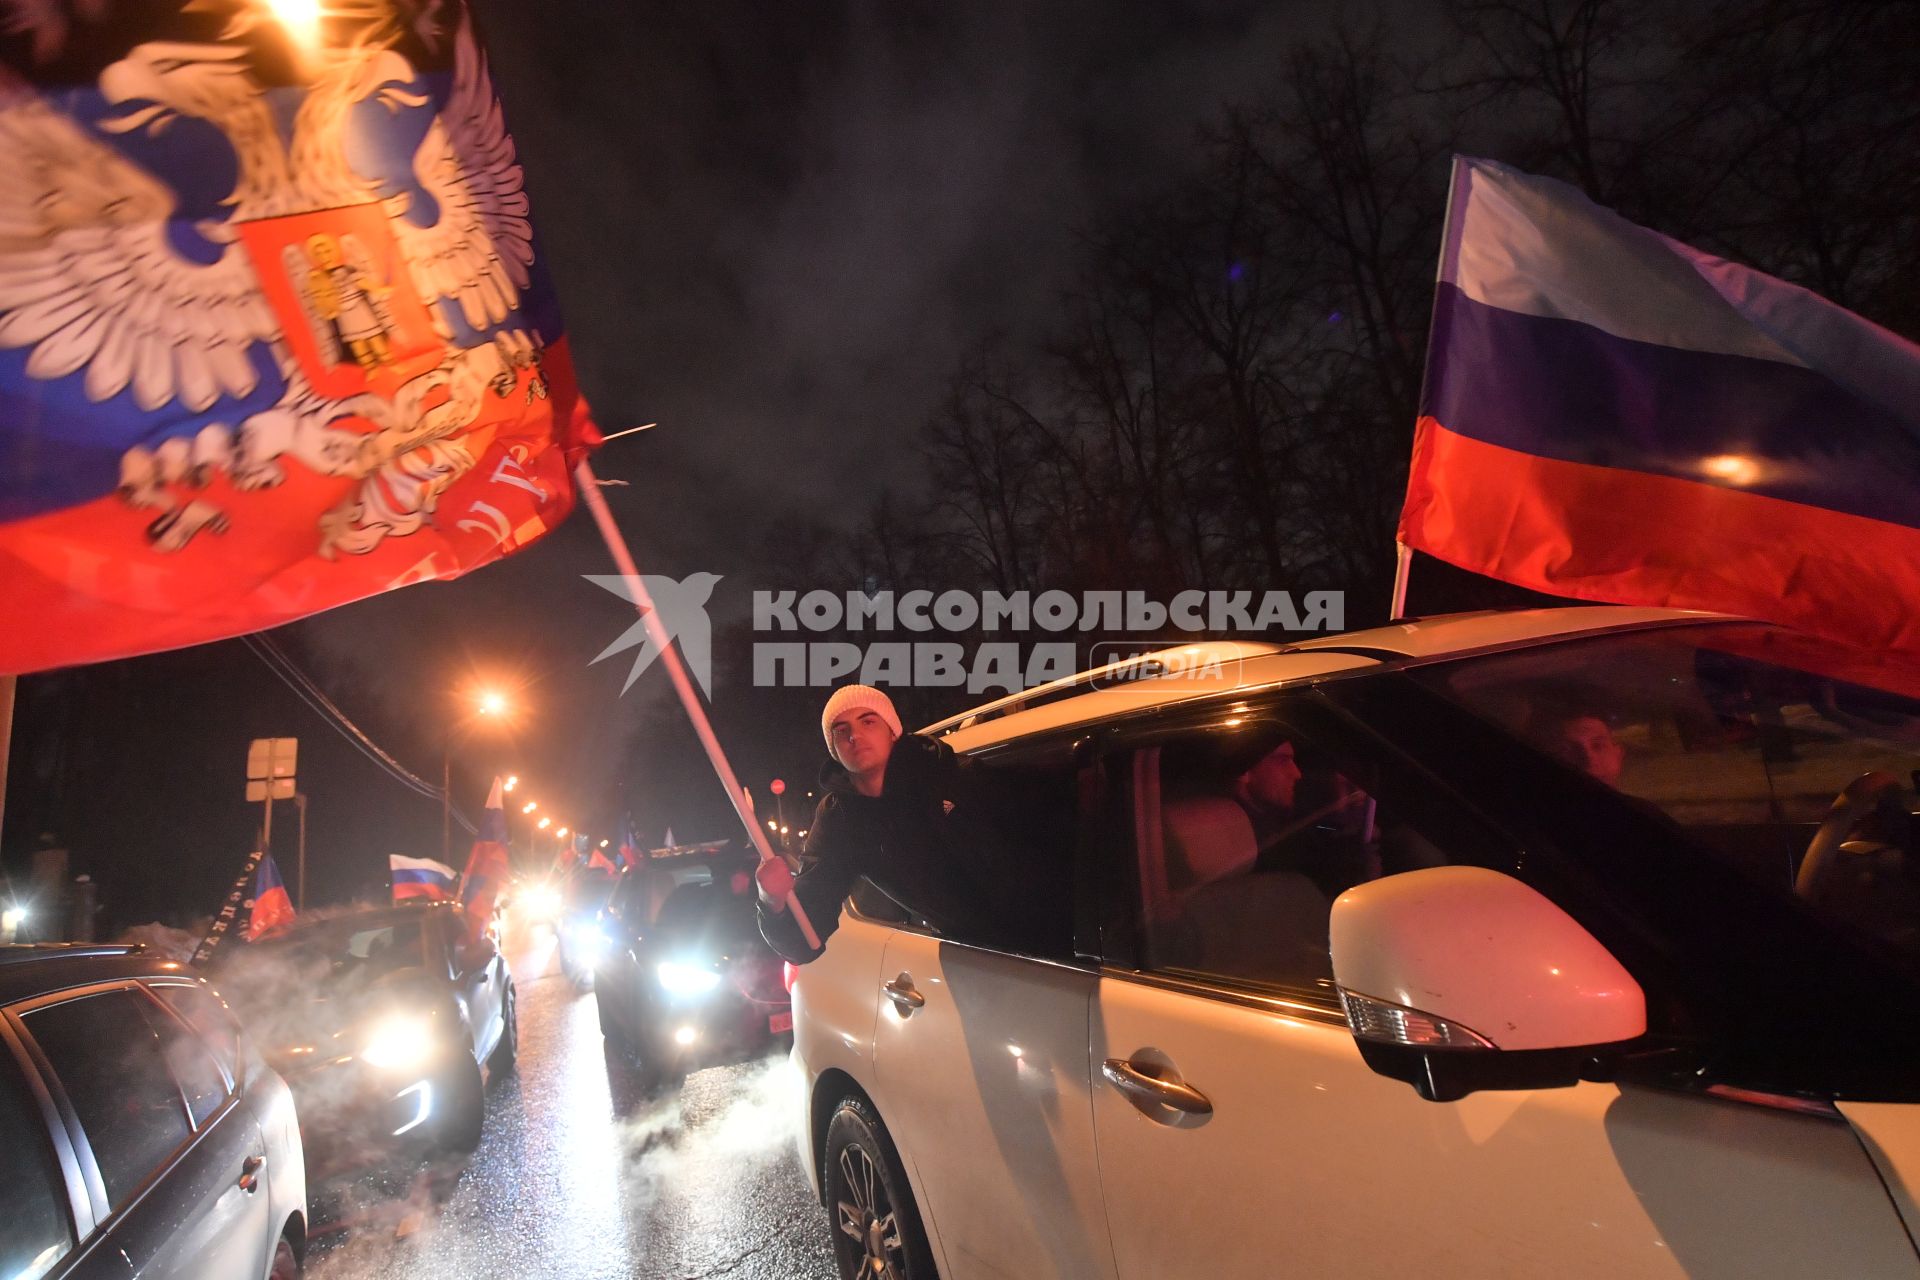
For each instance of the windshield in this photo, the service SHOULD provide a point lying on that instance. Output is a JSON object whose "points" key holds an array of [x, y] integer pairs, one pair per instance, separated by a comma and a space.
{"points": [[707, 914], [344, 950], [1744, 736]]}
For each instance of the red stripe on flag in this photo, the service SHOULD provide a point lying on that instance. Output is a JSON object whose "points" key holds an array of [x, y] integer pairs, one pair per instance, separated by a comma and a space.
{"points": [[1626, 537], [98, 588]]}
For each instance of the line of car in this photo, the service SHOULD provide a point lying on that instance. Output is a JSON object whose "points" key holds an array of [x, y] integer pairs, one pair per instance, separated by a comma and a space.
{"points": [[1484, 1010], [159, 1127]]}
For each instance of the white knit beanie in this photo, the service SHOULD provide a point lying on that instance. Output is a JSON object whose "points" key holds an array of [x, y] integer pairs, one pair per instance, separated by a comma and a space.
{"points": [[861, 697]]}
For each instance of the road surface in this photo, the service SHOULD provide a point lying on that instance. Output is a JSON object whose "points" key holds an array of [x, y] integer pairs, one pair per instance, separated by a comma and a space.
{"points": [[580, 1176]]}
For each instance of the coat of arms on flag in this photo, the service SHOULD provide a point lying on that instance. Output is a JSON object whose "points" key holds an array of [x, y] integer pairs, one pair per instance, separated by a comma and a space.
{"points": [[273, 332]]}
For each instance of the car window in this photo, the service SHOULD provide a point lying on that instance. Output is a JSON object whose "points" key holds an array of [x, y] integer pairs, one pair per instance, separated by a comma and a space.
{"points": [[35, 1228], [873, 903], [208, 1016], [1240, 833], [708, 911], [201, 1081], [111, 1064], [349, 953], [1745, 737], [656, 884], [1018, 816]]}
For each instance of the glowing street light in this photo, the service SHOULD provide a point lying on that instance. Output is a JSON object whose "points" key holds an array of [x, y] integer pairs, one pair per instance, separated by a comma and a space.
{"points": [[488, 703], [545, 823], [528, 807], [561, 832], [603, 844], [512, 782]]}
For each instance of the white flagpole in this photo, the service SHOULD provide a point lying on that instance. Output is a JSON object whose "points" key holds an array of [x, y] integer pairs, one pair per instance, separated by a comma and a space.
{"points": [[682, 684], [1403, 565]]}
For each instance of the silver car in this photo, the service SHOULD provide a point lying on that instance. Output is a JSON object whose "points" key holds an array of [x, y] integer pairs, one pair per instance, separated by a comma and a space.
{"points": [[144, 1134]]}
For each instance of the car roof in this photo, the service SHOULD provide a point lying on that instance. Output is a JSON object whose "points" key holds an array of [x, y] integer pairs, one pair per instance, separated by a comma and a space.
{"points": [[37, 969], [1183, 673]]}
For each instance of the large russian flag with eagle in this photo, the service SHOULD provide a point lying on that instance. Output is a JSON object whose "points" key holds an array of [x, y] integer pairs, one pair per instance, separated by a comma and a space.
{"points": [[274, 333], [1614, 415]]}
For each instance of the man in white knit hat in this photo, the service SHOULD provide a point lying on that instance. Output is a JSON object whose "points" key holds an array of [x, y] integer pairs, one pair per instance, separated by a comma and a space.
{"points": [[903, 812], [861, 726]]}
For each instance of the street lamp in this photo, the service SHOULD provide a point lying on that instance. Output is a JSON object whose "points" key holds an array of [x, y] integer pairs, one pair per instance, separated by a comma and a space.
{"points": [[488, 704]]}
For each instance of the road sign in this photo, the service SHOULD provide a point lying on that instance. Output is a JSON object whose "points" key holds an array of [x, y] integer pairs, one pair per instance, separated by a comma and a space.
{"points": [[257, 789], [779, 787], [272, 758]]}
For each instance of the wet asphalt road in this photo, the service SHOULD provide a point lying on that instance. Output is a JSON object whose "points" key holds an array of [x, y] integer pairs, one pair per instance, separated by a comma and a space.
{"points": [[579, 1175]]}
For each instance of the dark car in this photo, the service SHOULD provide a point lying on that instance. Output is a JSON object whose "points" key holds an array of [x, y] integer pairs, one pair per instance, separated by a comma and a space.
{"points": [[387, 1022], [687, 980], [144, 1135], [582, 939]]}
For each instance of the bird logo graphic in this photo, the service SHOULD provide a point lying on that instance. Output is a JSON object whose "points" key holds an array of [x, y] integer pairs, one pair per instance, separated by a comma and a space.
{"points": [[682, 608]]}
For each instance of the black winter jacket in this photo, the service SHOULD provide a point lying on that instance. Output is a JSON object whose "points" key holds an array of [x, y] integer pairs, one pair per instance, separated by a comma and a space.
{"points": [[944, 840]]}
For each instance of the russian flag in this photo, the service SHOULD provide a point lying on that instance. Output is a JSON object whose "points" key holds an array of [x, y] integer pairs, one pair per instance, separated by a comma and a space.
{"points": [[272, 908], [487, 868], [420, 878], [1612, 415]]}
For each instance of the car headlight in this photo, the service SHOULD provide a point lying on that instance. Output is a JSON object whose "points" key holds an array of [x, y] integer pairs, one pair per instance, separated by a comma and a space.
{"points": [[687, 980], [542, 901], [592, 942], [398, 1043]]}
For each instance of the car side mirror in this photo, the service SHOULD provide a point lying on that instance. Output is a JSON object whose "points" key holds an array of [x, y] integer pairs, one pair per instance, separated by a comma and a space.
{"points": [[1457, 979]]}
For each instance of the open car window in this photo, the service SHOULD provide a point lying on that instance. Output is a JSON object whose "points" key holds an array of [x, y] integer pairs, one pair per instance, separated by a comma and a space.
{"points": [[1239, 832], [1750, 739]]}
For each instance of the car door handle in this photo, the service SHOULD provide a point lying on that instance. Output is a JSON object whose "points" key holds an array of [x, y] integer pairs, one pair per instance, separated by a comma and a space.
{"points": [[904, 997], [1141, 1087], [250, 1173]]}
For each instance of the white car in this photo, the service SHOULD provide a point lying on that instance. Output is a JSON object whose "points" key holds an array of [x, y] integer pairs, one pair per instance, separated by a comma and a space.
{"points": [[1581, 942]]}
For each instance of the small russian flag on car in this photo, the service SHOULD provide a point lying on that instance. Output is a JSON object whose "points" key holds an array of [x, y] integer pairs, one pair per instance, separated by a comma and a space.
{"points": [[420, 878]]}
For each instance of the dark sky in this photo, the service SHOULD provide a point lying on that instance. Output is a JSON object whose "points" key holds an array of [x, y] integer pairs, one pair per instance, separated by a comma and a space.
{"points": [[776, 227], [774, 230]]}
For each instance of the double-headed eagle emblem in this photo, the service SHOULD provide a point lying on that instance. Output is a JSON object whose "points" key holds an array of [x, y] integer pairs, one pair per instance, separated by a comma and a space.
{"points": [[344, 281]]}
